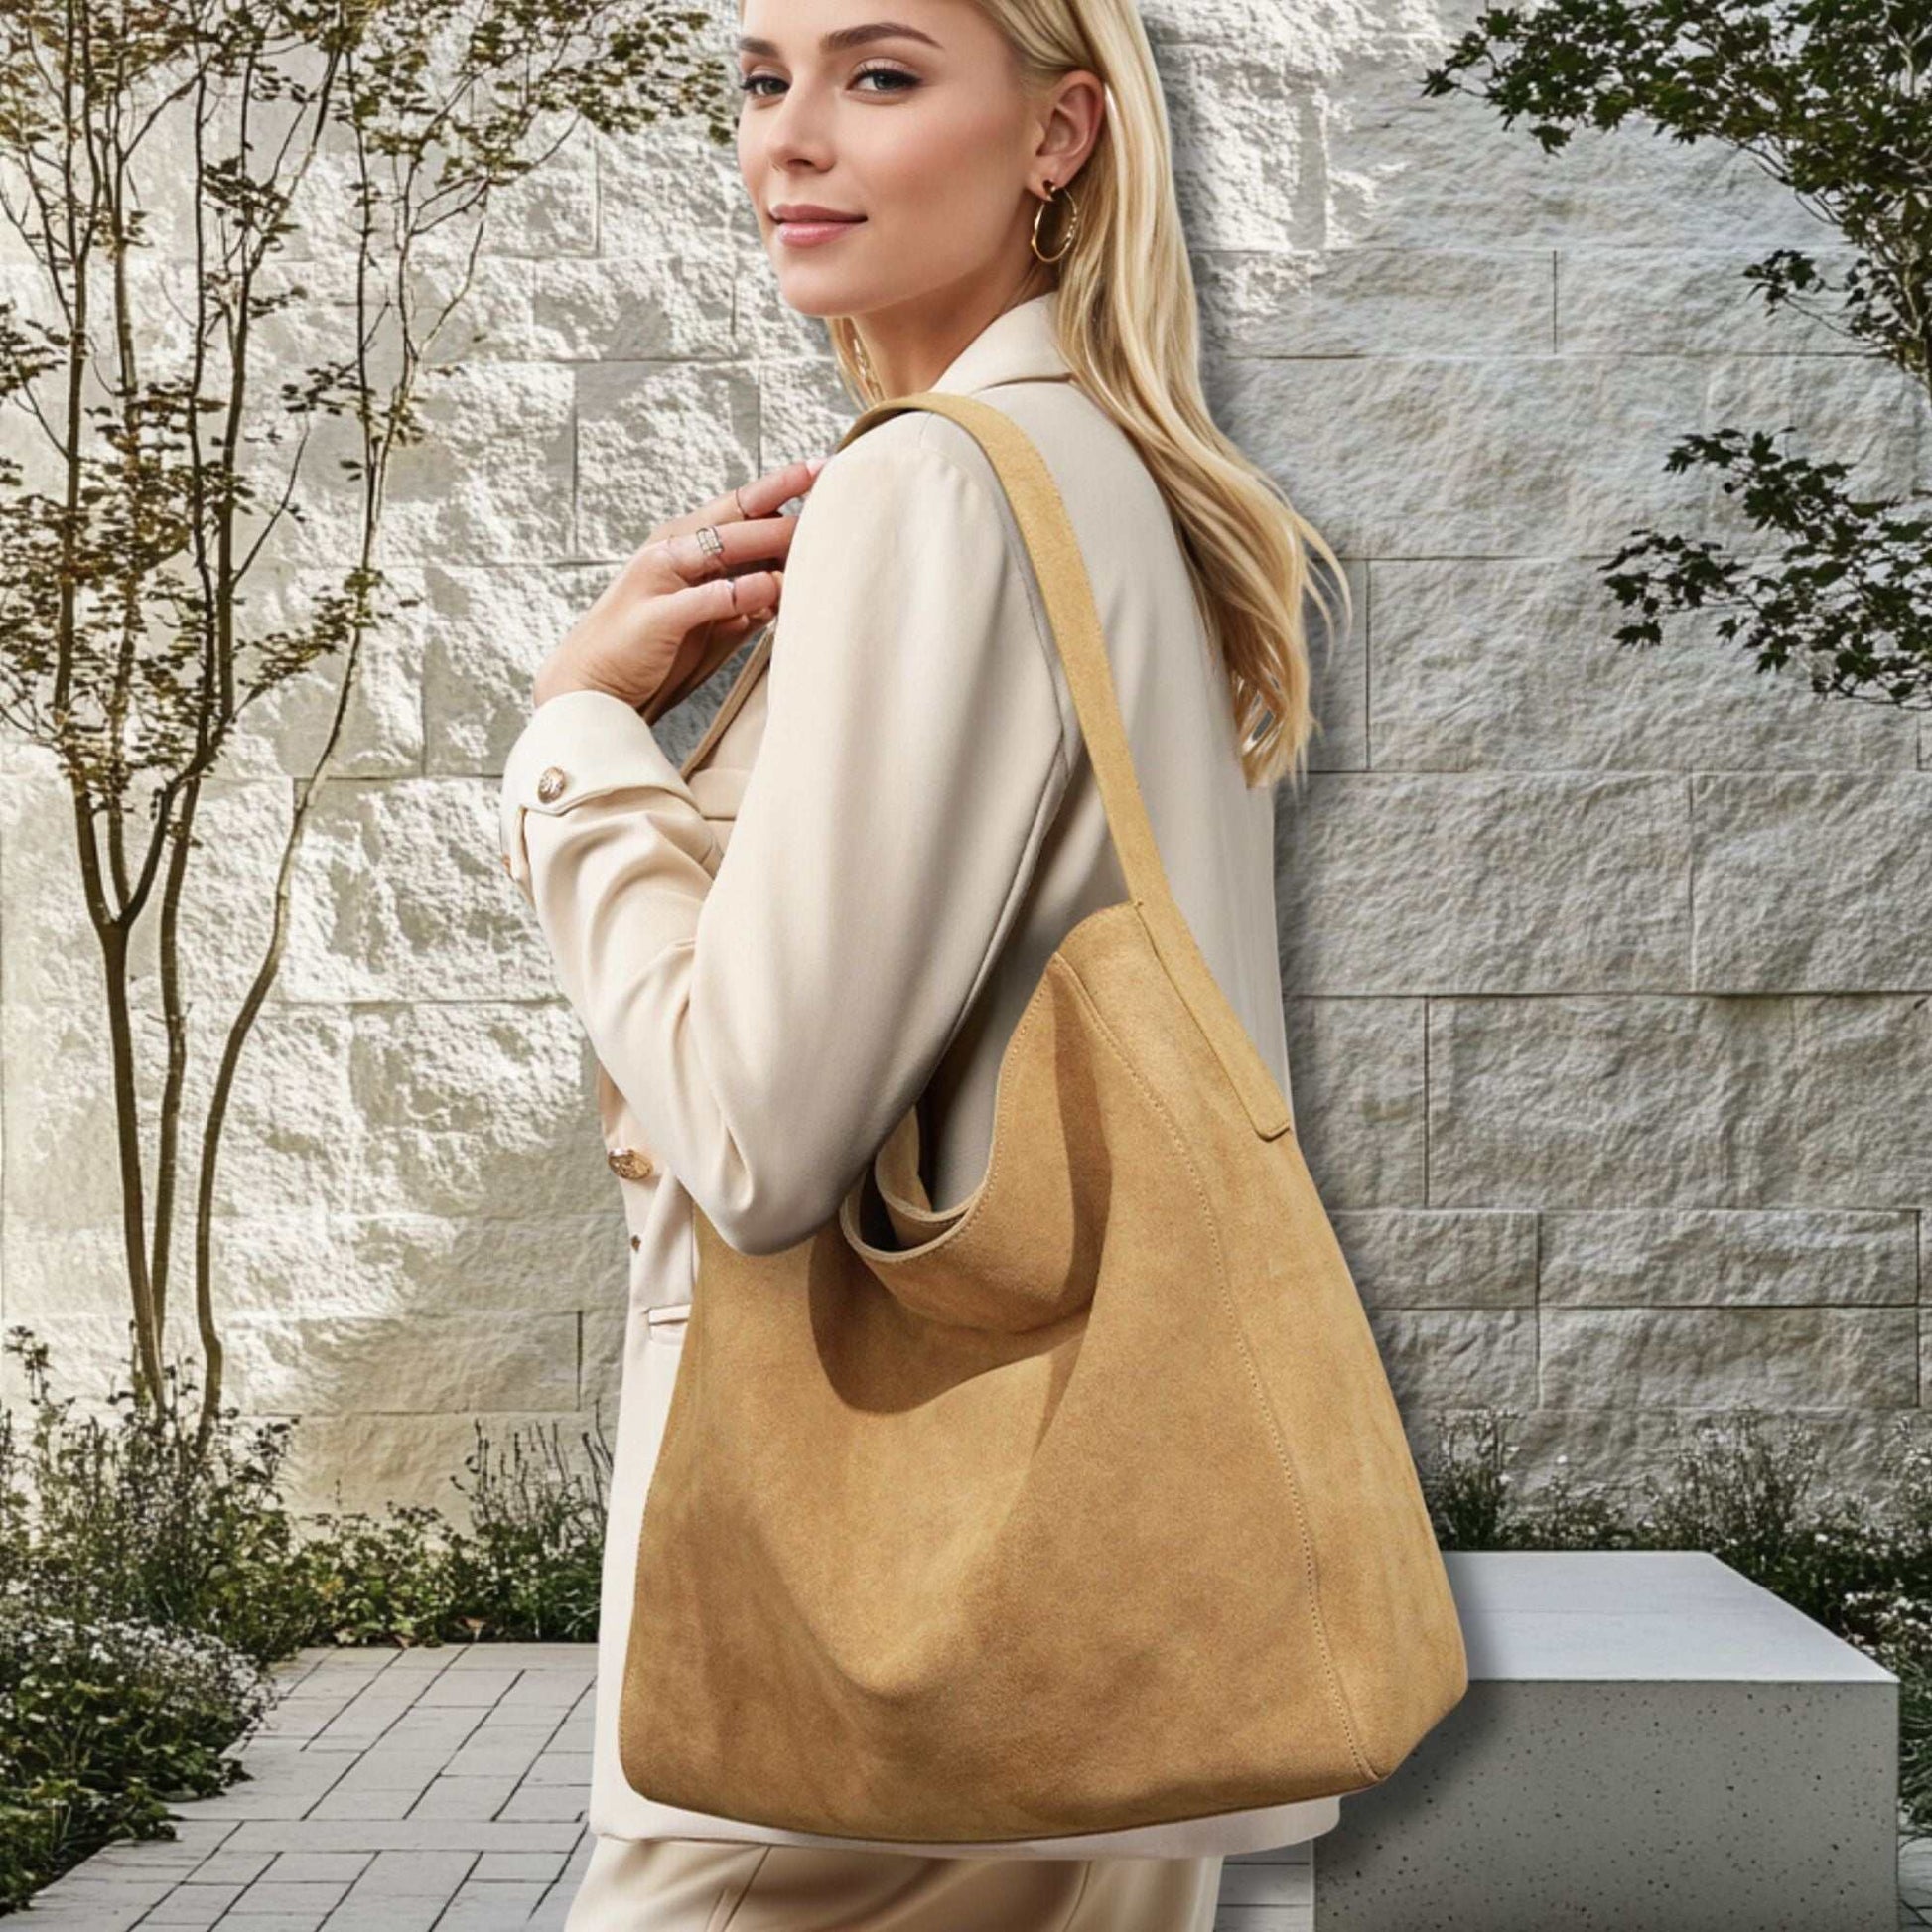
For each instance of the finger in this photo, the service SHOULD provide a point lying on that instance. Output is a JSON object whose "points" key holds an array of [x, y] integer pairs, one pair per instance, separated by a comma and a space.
{"points": [[720, 600], [759, 498], [681, 559], [763, 495], [709, 643]]}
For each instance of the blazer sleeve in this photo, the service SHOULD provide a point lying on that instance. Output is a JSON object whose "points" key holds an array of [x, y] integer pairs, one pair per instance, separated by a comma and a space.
{"points": [[769, 1012]]}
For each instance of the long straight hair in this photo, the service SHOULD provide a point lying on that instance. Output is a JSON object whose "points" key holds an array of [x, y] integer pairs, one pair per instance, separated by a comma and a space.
{"points": [[1129, 332]]}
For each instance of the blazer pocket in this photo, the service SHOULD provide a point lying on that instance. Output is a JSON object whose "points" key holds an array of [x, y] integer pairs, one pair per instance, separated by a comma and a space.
{"points": [[666, 1322]]}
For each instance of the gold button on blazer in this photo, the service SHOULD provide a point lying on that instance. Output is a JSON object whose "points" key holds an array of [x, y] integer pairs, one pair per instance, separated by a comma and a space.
{"points": [[845, 895]]}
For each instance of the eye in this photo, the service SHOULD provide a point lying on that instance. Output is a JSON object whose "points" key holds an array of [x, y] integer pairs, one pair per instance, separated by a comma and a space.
{"points": [[910, 81], [752, 84]]}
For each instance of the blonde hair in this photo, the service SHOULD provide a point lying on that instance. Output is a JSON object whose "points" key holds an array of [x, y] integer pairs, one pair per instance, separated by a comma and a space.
{"points": [[1129, 328]]}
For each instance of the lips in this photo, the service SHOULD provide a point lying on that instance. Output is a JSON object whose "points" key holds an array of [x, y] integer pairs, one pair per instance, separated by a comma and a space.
{"points": [[798, 227]]}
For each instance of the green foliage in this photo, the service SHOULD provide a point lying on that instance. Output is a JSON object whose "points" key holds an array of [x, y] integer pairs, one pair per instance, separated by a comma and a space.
{"points": [[1830, 98], [1747, 1488], [529, 1570], [102, 1726], [136, 1517], [127, 1517], [1473, 1504], [1849, 594]]}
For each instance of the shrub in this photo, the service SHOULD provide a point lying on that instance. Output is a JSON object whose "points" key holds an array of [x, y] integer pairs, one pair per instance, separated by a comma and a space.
{"points": [[102, 1726]]}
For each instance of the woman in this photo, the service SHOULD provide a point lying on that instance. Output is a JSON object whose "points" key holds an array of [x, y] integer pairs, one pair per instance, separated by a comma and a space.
{"points": [[841, 902]]}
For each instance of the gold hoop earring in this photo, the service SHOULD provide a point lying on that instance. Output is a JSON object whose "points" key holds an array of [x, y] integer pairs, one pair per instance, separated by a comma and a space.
{"points": [[1072, 225]]}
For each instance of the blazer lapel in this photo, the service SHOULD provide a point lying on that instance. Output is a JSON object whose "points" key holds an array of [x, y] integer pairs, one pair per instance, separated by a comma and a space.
{"points": [[1020, 345]]}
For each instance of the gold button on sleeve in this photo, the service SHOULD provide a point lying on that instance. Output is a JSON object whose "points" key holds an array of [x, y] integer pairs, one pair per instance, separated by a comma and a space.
{"points": [[551, 784]]}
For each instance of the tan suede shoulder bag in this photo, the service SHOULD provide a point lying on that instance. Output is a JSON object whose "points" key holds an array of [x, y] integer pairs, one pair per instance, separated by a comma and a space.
{"points": [[1085, 1505]]}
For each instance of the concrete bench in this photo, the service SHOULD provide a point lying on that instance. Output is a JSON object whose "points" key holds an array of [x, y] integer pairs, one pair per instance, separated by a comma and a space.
{"points": [[1650, 1742]]}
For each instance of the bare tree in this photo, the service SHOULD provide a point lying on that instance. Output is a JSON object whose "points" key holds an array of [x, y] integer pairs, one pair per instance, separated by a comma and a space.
{"points": [[144, 407]]}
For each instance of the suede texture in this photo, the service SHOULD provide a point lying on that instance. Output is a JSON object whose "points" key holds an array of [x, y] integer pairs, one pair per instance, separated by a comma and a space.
{"points": [[1083, 1505]]}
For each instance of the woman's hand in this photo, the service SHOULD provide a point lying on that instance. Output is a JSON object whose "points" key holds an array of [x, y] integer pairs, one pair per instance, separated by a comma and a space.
{"points": [[676, 612]]}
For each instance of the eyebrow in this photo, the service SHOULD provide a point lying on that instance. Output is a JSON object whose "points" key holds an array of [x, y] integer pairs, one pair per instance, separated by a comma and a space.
{"points": [[842, 38]]}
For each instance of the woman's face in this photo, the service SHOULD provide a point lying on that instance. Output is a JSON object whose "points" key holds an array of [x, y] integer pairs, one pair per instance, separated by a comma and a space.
{"points": [[914, 133]]}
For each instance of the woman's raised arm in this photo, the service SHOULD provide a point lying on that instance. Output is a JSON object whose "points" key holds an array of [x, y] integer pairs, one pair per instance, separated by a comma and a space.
{"points": [[771, 1013]]}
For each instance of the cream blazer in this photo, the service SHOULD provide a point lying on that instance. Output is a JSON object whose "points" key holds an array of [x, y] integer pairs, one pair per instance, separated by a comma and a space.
{"points": [[843, 898]]}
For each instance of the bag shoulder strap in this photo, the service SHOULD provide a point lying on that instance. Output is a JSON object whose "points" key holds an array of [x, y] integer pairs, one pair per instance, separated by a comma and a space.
{"points": [[1074, 619]]}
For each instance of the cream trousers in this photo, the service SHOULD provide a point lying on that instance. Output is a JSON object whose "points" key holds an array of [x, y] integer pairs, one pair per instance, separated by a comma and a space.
{"points": [[679, 1884]]}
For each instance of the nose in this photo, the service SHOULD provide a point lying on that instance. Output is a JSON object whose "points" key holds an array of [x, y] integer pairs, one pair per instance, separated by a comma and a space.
{"points": [[797, 133]]}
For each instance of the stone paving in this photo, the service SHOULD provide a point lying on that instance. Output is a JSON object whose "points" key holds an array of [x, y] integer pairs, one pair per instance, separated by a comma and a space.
{"points": [[443, 1791]]}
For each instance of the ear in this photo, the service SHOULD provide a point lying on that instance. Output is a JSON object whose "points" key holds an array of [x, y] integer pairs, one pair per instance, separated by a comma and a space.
{"points": [[1076, 109]]}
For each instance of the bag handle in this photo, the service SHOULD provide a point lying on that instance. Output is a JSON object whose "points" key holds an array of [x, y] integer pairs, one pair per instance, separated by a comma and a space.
{"points": [[1074, 620]]}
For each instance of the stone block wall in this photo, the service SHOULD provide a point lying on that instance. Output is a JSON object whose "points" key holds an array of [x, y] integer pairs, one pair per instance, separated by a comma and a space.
{"points": [[1606, 971]]}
